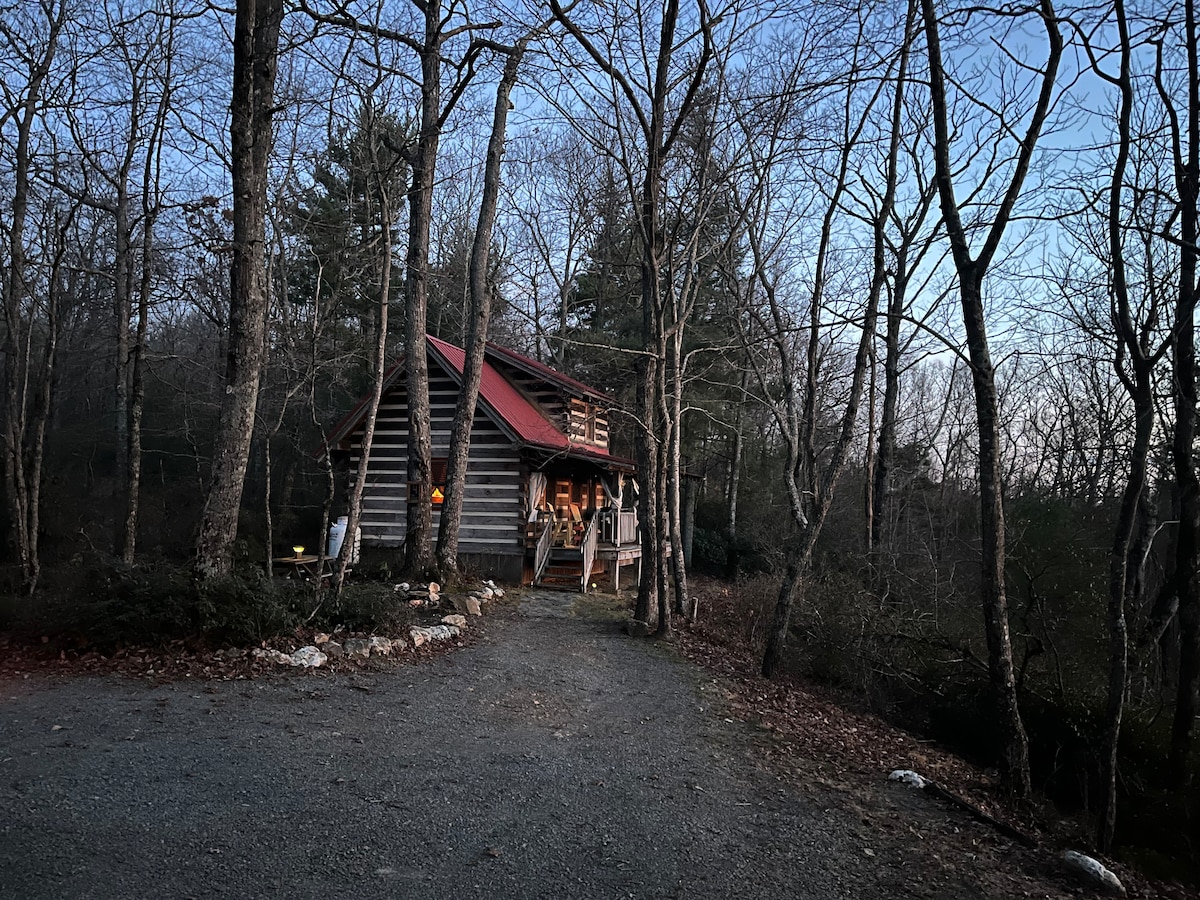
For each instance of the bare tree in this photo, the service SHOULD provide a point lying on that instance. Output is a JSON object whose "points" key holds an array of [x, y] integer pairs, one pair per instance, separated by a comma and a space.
{"points": [[810, 478], [255, 61], [1136, 356], [481, 309], [31, 42], [1184, 131], [658, 97], [120, 142], [971, 273]]}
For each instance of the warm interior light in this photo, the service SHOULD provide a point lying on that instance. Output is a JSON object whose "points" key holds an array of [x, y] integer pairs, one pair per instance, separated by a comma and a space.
{"points": [[438, 496], [299, 549]]}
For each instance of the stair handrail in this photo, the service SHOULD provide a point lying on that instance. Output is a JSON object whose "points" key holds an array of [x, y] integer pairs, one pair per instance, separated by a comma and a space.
{"points": [[541, 555], [588, 549]]}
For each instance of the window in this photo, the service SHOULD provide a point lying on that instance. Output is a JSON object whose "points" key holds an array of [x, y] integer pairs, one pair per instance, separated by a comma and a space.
{"points": [[437, 481]]}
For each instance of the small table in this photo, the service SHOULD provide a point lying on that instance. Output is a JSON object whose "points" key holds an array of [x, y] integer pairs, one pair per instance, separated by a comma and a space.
{"points": [[310, 566]]}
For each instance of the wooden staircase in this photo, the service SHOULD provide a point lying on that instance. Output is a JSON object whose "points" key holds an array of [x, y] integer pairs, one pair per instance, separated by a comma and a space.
{"points": [[564, 569]]}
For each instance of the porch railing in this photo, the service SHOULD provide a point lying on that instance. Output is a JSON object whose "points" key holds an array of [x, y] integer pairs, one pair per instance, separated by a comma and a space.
{"points": [[617, 526], [588, 548], [541, 554]]}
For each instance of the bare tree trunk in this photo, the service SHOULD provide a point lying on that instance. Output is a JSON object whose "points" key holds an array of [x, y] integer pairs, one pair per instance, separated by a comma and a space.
{"points": [[1184, 397], [121, 312], [811, 491], [735, 469], [20, 495], [659, 135], [383, 167], [43, 401], [647, 462], [675, 473], [1139, 385], [137, 384], [971, 272], [255, 59], [481, 308], [418, 548]]}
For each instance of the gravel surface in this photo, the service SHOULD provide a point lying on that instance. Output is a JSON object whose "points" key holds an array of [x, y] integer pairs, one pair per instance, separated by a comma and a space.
{"points": [[554, 757]]}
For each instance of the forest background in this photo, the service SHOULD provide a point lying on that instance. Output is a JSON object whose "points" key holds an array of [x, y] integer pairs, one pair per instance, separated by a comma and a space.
{"points": [[902, 294]]}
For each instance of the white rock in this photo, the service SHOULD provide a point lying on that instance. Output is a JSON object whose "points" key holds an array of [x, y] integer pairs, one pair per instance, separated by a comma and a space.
{"points": [[472, 604], [379, 646], [357, 648], [1094, 873], [487, 593], [456, 620], [320, 638], [333, 649], [434, 587], [909, 777], [309, 657], [421, 634], [401, 588]]}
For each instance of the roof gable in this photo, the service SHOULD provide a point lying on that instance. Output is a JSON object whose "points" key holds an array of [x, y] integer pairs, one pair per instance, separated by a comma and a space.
{"points": [[507, 405], [503, 402], [543, 371]]}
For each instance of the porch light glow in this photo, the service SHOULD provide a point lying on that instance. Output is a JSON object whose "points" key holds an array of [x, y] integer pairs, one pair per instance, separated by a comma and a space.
{"points": [[298, 550], [437, 496]]}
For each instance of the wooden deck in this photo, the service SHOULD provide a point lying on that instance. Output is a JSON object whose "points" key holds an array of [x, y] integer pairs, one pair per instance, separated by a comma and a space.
{"points": [[609, 543]]}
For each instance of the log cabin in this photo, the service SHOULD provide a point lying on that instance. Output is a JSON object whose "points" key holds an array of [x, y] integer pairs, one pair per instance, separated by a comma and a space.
{"points": [[545, 501]]}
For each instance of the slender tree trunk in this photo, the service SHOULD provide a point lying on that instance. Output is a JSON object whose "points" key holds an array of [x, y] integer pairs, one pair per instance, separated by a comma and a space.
{"points": [[383, 166], [885, 456], [971, 272], [21, 497], [137, 376], [255, 59], [122, 312], [137, 396], [43, 401], [647, 462], [480, 312], [1184, 396], [1140, 388], [676, 475], [1001, 670], [418, 546], [735, 469]]}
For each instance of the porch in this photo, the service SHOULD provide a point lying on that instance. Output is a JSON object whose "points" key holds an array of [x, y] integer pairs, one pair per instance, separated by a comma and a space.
{"points": [[576, 547]]}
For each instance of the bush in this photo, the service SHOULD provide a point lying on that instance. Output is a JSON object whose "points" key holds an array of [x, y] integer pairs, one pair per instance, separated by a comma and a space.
{"points": [[109, 605], [369, 606], [242, 609]]}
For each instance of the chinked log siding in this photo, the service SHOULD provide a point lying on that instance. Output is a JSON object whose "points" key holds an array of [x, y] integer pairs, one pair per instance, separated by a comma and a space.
{"points": [[492, 511]]}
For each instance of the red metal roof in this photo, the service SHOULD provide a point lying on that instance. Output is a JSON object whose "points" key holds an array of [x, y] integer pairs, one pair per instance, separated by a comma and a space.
{"points": [[517, 411], [546, 372], [511, 408]]}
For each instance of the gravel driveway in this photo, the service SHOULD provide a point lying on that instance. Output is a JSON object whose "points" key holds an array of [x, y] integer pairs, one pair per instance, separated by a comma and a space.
{"points": [[553, 758]]}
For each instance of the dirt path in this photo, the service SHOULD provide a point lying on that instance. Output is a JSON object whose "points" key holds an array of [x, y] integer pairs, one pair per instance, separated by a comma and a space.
{"points": [[554, 758]]}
